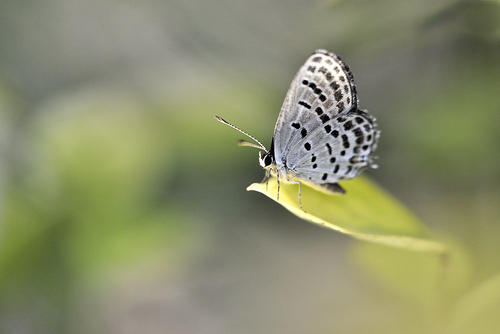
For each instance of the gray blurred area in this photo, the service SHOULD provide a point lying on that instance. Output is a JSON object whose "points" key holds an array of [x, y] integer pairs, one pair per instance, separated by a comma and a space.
{"points": [[123, 204]]}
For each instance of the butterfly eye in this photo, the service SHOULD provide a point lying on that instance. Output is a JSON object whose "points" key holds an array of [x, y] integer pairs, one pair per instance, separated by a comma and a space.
{"points": [[265, 160], [268, 160]]}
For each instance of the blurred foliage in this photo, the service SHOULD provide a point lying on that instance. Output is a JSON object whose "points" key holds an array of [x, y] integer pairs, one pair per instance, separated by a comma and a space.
{"points": [[365, 212], [459, 129], [477, 311], [480, 18], [431, 277], [438, 289], [86, 207]]}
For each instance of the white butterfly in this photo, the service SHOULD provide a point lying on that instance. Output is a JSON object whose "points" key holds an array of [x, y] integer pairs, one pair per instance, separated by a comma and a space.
{"points": [[320, 137]]}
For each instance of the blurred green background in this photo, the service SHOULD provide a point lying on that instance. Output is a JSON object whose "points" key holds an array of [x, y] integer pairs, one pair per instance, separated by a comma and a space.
{"points": [[123, 205]]}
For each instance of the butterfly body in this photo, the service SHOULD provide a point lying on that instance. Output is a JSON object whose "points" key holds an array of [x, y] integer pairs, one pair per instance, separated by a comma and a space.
{"points": [[321, 137]]}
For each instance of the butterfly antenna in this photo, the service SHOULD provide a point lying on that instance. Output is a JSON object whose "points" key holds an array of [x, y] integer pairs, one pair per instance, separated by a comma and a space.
{"points": [[242, 143]]}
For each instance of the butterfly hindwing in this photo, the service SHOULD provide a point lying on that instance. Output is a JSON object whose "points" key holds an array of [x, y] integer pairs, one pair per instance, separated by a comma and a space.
{"points": [[337, 150]]}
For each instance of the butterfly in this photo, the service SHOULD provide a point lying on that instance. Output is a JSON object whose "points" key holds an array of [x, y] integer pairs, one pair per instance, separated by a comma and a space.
{"points": [[321, 137]]}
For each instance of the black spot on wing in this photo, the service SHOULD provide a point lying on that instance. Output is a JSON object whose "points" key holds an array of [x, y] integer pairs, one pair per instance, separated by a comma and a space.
{"points": [[324, 118], [345, 141], [334, 85], [329, 148], [305, 104], [338, 95]]}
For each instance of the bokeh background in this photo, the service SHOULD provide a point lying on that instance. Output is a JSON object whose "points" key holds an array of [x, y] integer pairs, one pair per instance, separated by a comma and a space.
{"points": [[123, 205]]}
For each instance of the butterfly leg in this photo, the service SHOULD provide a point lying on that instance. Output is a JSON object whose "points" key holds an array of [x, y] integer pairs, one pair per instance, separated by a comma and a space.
{"points": [[268, 174], [278, 178], [300, 195]]}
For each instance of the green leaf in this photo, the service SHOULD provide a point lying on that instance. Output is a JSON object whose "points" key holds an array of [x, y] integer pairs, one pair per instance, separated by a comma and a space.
{"points": [[365, 212], [427, 280], [477, 311]]}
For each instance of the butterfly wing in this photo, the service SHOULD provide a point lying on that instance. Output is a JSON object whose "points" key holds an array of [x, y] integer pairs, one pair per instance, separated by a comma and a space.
{"points": [[322, 89], [337, 150]]}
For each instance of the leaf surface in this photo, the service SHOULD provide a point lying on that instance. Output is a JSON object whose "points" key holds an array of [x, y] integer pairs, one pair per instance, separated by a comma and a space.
{"points": [[365, 212]]}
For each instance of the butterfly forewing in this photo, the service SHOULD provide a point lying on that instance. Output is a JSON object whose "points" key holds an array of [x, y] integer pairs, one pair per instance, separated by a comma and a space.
{"points": [[322, 89]]}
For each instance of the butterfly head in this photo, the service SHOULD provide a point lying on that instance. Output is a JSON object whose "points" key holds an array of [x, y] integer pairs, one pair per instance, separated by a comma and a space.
{"points": [[266, 160]]}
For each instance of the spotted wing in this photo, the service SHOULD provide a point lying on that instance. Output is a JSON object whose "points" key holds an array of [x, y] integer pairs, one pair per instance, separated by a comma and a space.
{"points": [[322, 89], [337, 150]]}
